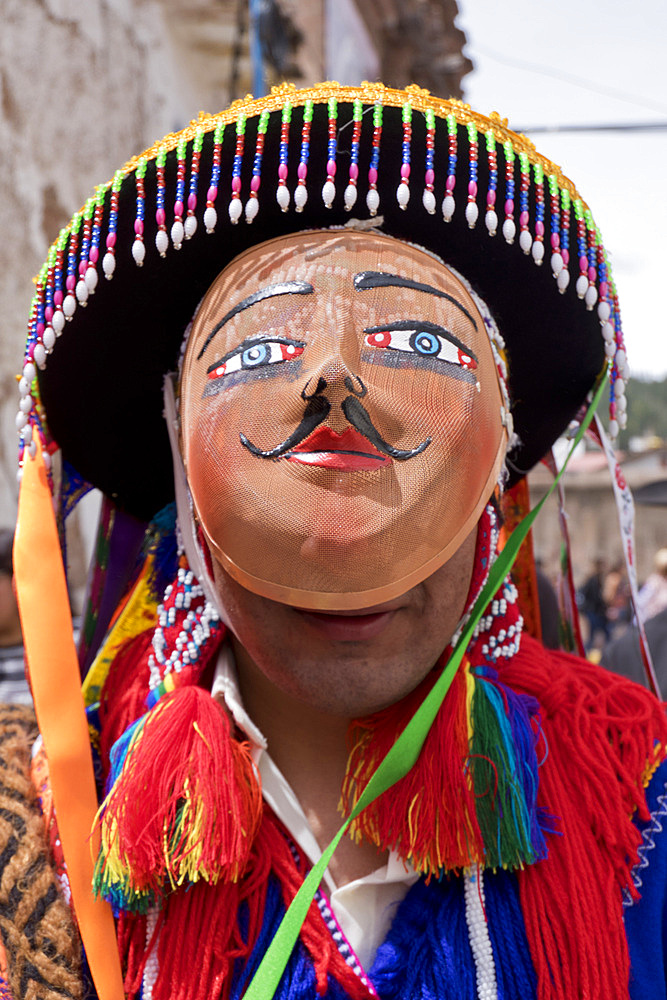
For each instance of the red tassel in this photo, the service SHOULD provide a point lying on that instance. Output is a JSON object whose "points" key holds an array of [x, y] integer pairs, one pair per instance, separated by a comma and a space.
{"points": [[187, 803], [124, 693], [604, 734]]}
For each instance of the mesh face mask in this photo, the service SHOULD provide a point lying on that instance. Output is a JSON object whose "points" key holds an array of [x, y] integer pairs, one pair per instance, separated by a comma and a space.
{"points": [[342, 419]]}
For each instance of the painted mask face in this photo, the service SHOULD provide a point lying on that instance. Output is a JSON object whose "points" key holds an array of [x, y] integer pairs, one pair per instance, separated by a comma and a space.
{"points": [[340, 418]]}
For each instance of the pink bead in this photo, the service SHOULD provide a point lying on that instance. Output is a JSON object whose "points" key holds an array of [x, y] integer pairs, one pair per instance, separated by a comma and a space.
{"points": [[429, 177], [555, 241], [472, 188], [372, 176], [111, 240], [94, 255], [282, 171], [509, 206], [178, 209], [565, 254], [139, 227], [236, 184], [212, 193], [451, 182], [39, 330], [48, 314], [160, 217], [405, 170], [331, 168], [604, 289], [354, 171], [583, 264], [58, 298], [83, 267], [192, 202], [592, 274], [523, 219], [302, 171], [491, 198], [31, 352], [612, 410], [255, 182], [70, 284], [539, 228]]}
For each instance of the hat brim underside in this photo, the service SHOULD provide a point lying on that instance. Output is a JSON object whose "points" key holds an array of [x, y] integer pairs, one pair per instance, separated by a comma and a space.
{"points": [[102, 385]]}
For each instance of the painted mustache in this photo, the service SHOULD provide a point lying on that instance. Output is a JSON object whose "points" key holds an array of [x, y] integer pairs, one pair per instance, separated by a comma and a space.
{"points": [[316, 412]]}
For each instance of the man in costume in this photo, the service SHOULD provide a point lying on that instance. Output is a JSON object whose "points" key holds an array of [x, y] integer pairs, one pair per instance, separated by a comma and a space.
{"points": [[352, 369]]}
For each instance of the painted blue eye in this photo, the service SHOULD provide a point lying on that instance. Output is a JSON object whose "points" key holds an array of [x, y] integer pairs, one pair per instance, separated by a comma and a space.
{"points": [[255, 355], [426, 343]]}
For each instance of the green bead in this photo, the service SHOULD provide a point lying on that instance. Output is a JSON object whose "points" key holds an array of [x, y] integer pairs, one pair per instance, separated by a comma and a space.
{"points": [[199, 140], [407, 113], [161, 157], [118, 179], [287, 113], [565, 199], [240, 125], [89, 208], [430, 118], [578, 208], [308, 111], [539, 173], [510, 155], [490, 140], [357, 110], [332, 107], [219, 133], [377, 116], [141, 168], [263, 122]]}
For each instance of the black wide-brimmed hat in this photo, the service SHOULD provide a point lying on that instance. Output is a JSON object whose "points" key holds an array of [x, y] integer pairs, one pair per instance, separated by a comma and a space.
{"points": [[124, 278]]}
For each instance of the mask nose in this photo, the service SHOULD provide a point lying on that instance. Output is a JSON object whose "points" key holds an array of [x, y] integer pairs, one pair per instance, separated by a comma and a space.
{"points": [[333, 383]]}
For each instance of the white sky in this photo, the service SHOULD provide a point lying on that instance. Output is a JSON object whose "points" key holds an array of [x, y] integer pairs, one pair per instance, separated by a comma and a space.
{"points": [[542, 62]]}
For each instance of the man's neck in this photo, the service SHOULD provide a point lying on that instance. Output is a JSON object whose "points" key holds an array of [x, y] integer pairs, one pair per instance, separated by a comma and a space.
{"points": [[310, 749]]}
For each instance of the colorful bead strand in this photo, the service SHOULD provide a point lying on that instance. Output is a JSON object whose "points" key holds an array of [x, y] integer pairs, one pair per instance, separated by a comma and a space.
{"points": [[428, 198], [472, 211], [191, 218], [491, 217], [138, 246], [161, 238], [554, 203], [69, 305], [350, 195], [301, 191], [565, 203], [509, 225], [177, 228], [94, 256], [252, 205], [525, 239], [329, 188], [82, 292], [235, 207], [591, 296], [582, 249], [45, 310], [448, 203], [210, 214], [372, 197], [282, 192], [537, 248], [403, 190]]}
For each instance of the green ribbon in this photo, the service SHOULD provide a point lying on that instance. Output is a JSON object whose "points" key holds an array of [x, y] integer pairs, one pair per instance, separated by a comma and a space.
{"points": [[404, 753]]}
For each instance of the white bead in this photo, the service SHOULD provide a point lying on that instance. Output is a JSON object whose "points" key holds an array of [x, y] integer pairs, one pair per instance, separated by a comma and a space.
{"points": [[619, 387], [373, 201], [509, 230], [177, 234], [108, 265], [350, 196], [525, 240], [69, 306], [39, 355], [609, 348], [92, 278], [138, 252], [609, 333], [46, 458], [19, 475], [190, 226], [613, 429], [403, 195], [491, 220], [235, 210], [58, 321], [162, 242], [604, 311], [622, 404], [328, 193], [563, 280], [623, 420], [82, 292], [591, 296], [283, 197], [251, 209], [621, 358], [32, 449], [556, 263], [21, 420], [582, 285], [29, 372], [428, 201], [210, 219], [300, 197], [472, 214], [26, 434], [24, 385], [49, 338], [448, 206], [538, 251]]}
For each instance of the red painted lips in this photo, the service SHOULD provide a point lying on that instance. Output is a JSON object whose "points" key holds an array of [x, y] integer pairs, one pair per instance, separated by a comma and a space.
{"points": [[330, 450]]}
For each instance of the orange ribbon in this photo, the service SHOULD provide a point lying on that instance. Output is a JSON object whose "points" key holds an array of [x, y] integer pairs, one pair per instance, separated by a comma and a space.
{"points": [[56, 685]]}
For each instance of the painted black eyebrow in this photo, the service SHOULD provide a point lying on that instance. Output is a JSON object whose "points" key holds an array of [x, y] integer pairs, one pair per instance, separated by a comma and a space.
{"points": [[281, 288], [379, 279]]}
